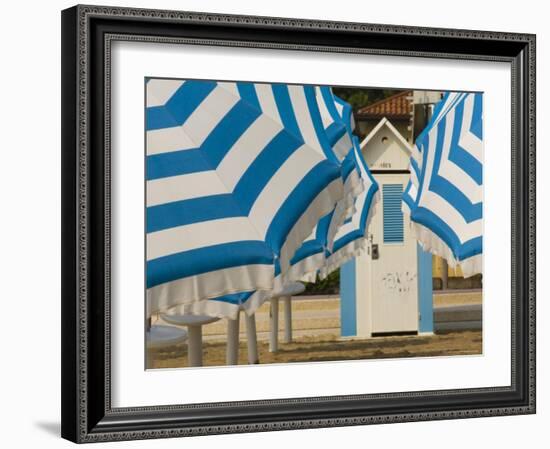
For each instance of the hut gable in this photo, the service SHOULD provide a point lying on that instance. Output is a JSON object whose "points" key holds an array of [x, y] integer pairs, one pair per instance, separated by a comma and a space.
{"points": [[384, 148]]}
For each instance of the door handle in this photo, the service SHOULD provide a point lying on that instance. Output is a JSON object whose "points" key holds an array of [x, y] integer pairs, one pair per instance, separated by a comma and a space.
{"points": [[375, 253]]}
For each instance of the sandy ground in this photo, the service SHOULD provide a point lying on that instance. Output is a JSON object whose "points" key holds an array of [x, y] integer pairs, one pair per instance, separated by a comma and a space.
{"points": [[316, 331], [327, 348]]}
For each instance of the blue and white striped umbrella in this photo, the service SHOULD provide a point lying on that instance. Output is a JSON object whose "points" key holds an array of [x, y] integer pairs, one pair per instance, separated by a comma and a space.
{"points": [[349, 240], [311, 256], [445, 194], [238, 174]]}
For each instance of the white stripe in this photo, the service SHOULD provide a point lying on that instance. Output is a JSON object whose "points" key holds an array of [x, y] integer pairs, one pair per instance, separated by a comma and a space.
{"points": [[208, 115], [413, 192], [249, 145], [325, 114], [303, 117], [446, 212], [352, 121], [267, 102], [312, 236], [414, 178], [230, 87], [283, 182], [343, 146], [168, 139], [469, 141], [454, 173], [452, 100], [198, 235], [160, 91], [456, 176], [184, 187]]}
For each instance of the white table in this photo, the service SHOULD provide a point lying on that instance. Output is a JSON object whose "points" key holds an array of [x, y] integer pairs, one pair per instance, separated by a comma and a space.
{"points": [[294, 288], [232, 354], [194, 325], [159, 336]]}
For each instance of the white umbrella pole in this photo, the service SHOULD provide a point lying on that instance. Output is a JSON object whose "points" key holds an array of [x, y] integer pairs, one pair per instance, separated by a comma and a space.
{"points": [[194, 345], [274, 325], [252, 342], [287, 304], [232, 354]]}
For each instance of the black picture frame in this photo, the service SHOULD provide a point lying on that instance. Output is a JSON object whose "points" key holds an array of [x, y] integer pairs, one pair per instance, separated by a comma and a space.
{"points": [[87, 32]]}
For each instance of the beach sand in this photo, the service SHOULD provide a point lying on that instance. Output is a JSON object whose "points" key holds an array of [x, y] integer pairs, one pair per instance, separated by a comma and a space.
{"points": [[327, 348], [316, 336]]}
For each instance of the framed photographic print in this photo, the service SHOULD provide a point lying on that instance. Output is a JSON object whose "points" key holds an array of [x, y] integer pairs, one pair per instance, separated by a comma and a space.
{"points": [[282, 223]]}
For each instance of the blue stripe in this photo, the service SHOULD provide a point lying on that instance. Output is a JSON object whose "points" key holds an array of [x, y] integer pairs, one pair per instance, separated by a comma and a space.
{"points": [[347, 238], [346, 113], [348, 165], [317, 122], [235, 298], [195, 210], [159, 117], [318, 178], [452, 194], [176, 163], [207, 259], [334, 132], [286, 111], [476, 126], [471, 166], [308, 249], [322, 228], [407, 196], [445, 232], [247, 91], [262, 169], [220, 141], [180, 106], [316, 245], [330, 99], [416, 168]]}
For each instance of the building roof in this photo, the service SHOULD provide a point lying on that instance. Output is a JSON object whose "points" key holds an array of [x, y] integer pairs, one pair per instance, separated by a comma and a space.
{"points": [[397, 106]]}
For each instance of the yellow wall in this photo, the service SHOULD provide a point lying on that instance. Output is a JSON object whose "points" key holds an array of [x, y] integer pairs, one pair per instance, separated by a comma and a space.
{"points": [[437, 267]]}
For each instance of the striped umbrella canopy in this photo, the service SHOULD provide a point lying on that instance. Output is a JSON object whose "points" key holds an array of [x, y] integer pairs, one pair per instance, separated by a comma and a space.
{"points": [[238, 174], [310, 258], [445, 194], [349, 240]]}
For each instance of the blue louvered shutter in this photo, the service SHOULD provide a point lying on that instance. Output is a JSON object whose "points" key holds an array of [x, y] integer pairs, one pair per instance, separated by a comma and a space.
{"points": [[393, 217]]}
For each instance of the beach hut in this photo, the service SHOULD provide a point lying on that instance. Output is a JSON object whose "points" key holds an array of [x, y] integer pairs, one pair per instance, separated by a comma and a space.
{"points": [[388, 288]]}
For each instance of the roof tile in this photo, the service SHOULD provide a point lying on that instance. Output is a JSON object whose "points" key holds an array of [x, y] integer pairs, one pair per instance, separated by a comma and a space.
{"points": [[398, 105]]}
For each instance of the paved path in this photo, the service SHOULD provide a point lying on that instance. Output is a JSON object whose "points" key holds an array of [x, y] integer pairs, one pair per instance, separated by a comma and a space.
{"points": [[320, 315]]}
